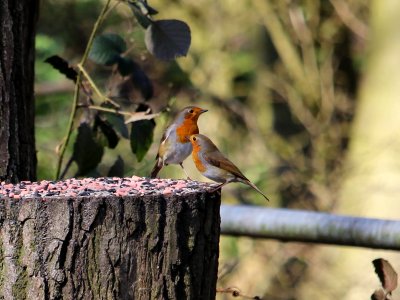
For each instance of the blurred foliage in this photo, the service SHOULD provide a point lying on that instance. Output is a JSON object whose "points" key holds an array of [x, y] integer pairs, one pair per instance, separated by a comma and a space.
{"points": [[280, 80], [45, 47], [128, 87]]}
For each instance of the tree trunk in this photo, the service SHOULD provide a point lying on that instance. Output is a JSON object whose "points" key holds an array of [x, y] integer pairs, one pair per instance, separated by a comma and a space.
{"points": [[151, 246], [17, 49]]}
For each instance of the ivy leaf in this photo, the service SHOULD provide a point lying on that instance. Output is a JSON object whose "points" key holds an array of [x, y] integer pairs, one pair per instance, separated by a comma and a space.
{"points": [[108, 131], [168, 39], [87, 152], [107, 49], [116, 120], [141, 137], [61, 65], [117, 169], [138, 79]]}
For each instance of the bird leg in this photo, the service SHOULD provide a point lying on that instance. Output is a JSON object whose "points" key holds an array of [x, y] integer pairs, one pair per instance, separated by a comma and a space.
{"points": [[188, 178], [218, 187]]}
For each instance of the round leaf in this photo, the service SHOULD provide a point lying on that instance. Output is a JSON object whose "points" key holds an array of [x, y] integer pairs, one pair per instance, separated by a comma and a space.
{"points": [[108, 131], [141, 137], [117, 121], [138, 79], [125, 66], [87, 152], [107, 48], [168, 39], [117, 169]]}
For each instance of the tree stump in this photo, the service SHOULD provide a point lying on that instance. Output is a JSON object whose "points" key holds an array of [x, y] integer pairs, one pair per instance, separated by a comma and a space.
{"points": [[109, 238]]}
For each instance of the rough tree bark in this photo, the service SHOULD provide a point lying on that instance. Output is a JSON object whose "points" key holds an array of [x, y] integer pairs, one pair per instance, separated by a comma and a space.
{"points": [[17, 49], [152, 246]]}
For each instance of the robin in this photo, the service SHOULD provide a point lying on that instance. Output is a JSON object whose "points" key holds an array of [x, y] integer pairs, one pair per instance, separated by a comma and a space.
{"points": [[214, 165], [175, 146]]}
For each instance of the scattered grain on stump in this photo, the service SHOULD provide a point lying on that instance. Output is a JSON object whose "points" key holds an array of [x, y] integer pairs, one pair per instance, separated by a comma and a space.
{"points": [[108, 238]]}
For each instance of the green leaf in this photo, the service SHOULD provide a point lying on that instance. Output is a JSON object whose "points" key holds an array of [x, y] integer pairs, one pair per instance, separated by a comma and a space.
{"points": [[117, 121], [138, 78], [125, 66], [117, 169], [108, 131], [62, 66], [141, 137], [87, 152], [107, 49], [168, 39], [176, 76]]}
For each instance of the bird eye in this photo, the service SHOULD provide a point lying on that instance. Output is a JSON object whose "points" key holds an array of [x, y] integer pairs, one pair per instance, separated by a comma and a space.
{"points": [[191, 111], [194, 138]]}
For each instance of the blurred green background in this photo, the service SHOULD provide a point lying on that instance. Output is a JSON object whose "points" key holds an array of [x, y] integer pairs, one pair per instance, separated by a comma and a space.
{"points": [[302, 95]]}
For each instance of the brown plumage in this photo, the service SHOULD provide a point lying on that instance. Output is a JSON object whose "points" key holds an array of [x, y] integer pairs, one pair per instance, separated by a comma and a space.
{"points": [[174, 145], [214, 165]]}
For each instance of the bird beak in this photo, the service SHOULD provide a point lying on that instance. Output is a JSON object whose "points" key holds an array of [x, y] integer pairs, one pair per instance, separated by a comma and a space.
{"points": [[187, 139], [203, 111]]}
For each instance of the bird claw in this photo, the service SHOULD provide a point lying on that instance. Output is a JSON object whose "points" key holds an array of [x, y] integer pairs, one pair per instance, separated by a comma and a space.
{"points": [[216, 188]]}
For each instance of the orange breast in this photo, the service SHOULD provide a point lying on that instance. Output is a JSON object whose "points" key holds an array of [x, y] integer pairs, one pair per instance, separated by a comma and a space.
{"points": [[196, 159], [187, 128]]}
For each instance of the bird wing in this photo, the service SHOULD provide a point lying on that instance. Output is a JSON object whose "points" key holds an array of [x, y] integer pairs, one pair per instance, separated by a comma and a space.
{"points": [[168, 131], [217, 159]]}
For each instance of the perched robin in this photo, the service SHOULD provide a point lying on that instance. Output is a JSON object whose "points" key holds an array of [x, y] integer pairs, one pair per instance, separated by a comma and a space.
{"points": [[175, 146], [214, 165]]}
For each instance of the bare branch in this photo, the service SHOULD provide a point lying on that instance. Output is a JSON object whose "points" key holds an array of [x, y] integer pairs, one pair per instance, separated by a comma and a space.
{"points": [[286, 49], [348, 18]]}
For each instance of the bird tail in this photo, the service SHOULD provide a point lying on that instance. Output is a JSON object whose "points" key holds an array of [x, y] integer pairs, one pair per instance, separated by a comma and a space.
{"points": [[249, 183], [157, 167]]}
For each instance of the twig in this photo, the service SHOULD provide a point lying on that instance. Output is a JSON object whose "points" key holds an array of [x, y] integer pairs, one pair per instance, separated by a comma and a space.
{"points": [[294, 101], [94, 86], [77, 87], [310, 63], [287, 51], [110, 110], [66, 168], [349, 19]]}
